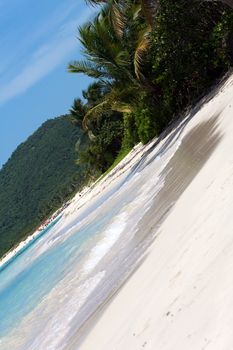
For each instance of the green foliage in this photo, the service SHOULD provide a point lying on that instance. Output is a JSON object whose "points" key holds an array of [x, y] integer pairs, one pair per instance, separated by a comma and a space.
{"points": [[108, 140], [130, 131], [189, 50], [40, 175], [122, 154], [77, 112], [100, 144], [151, 60], [115, 45], [144, 123]]}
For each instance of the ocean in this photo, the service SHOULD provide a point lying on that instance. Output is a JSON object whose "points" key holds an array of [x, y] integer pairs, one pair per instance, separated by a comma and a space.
{"points": [[50, 290]]}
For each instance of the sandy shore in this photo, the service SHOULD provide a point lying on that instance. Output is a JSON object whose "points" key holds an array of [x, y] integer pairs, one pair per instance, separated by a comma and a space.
{"points": [[163, 257], [181, 296], [83, 197], [18, 249]]}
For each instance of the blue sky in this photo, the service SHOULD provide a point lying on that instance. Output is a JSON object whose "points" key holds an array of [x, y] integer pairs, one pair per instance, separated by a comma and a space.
{"points": [[38, 39]]}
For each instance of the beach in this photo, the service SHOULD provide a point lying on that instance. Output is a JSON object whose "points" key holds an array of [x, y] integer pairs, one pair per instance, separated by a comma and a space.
{"points": [[142, 258], [180, 297], [25, 244], [66, 264]]}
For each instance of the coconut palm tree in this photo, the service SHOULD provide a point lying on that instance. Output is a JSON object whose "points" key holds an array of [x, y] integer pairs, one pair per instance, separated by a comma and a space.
{"points": [[77, 112], [123, 13], [148, 7], [115, 60]]}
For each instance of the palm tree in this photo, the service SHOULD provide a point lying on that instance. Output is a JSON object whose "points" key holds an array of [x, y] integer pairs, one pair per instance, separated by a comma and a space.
{"points": [[148, 7], [115, 53], [124, 12], [107, 59], [77, 111]]}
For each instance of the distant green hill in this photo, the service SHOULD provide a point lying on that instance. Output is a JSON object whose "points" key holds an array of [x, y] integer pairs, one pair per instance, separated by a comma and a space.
{"points": [[40, 175]]}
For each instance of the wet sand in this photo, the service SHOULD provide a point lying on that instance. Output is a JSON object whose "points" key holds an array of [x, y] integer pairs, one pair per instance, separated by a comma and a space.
{"points": [[143, 257], [180, 294]]}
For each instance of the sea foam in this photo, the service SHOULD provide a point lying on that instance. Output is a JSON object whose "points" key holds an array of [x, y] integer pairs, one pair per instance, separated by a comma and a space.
{"points": [[111, 235]]}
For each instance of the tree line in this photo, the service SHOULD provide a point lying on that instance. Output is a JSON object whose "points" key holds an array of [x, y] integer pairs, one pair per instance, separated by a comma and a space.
{"points": [[149, 60], [38, 178]]}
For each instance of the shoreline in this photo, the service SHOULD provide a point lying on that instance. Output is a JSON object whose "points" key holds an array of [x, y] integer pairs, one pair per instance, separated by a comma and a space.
{"points": [[81, 197], [27, 243], [127, 239], [80, 207], [165, 277], [75, 204], [138, 219]]}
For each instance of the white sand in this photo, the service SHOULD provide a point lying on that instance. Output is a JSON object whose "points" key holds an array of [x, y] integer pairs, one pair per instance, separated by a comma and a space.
{"points": [[181, 297], [81, 200]]}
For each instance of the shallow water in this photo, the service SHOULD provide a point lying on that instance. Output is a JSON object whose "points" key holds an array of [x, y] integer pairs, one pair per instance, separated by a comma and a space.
{"points": [[50, 290]]}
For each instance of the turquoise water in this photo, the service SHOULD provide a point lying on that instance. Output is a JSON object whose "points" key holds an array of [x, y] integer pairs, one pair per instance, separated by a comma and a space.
{"points": [[55, 284], [30, 244], [23, 284], [50, 289]]}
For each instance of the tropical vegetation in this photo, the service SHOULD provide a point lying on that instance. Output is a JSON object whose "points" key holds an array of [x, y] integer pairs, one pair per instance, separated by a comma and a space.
{"points": [[38, 178], [150, 60]]}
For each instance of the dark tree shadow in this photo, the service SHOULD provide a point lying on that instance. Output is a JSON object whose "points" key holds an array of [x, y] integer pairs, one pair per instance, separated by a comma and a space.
{"points": [[177, 126], [196, 148]]}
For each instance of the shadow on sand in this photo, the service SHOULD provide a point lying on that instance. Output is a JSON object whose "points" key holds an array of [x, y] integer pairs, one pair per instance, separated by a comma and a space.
{"points": [[176, 127], [196, 148]]}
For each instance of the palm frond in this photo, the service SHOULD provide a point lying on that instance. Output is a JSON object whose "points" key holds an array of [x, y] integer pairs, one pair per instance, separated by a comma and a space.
{"points": [[103, 48], [95, 112], [88, 68], [122, 107], [118, 19], [142, 48], [119, 98], [96, 2]]}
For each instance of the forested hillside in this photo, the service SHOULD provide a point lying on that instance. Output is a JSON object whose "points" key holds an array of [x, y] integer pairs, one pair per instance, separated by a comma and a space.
{"points": [[149, 61], [40, 175]]}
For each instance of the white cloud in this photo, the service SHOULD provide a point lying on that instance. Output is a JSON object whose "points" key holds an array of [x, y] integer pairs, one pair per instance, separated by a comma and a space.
{"points": [[45, 58]]}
